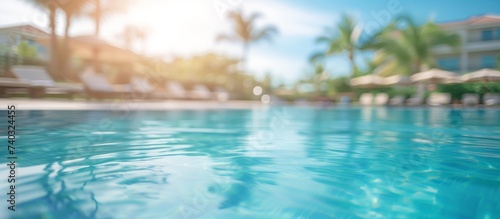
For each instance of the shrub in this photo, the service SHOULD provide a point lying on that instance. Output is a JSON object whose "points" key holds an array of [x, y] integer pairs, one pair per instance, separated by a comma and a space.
{"points": [[457, 90]]}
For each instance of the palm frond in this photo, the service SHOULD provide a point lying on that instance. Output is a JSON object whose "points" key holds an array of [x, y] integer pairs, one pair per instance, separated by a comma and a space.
{"points": [[336, 46], [265, 33], [317, 56], [224, 37], [323, 39], [244, 29]]}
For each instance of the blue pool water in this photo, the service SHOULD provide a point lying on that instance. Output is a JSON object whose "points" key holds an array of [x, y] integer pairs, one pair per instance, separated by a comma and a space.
{"points": [[262, 163]]}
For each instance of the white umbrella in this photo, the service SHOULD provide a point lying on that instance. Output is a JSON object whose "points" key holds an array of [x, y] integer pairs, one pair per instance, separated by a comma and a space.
{"points": [[433, 76], [368, 81], [397, 80], [455, 80], [483, 75]]}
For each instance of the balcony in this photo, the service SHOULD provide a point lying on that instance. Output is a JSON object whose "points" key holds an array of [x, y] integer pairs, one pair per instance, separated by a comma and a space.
{"points": [[444, 50], [451, 68], [480, 46], [470, 46], [472, 68]]}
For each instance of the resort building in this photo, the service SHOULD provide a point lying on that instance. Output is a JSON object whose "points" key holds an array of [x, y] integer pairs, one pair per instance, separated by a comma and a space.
{"points": [[480, 48], [11, 36]]}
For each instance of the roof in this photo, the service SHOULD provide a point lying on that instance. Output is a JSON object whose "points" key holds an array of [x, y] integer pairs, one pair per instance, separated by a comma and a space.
{"points": [[27, 28], [484, 19], [85, 47]]}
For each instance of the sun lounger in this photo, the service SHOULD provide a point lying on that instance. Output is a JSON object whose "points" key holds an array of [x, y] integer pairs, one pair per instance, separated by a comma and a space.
{"points": [[437, 99], [142, 85], [175, 90], [7, 84], [13, 83], [397, 101], [98, 86], [491, 99], [41, 82], [144, 89], [221, 94], [366, 99], [470, 99], [201, 92], [381, 99]]}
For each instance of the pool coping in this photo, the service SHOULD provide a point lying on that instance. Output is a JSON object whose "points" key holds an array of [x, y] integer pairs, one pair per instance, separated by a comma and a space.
{"points": [[152, 105], [58, 104]]}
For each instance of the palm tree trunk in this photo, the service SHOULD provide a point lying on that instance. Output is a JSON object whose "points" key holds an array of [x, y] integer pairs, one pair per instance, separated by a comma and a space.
{"points": [[243, 67], [97, 22], [421, 88], [66, 51], [97, 18], [54, 48], [417, 67], [354, 68], [66, 30]]}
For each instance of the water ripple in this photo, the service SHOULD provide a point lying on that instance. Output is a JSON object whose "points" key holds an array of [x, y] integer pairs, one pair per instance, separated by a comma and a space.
{"points": [[318, 163]]}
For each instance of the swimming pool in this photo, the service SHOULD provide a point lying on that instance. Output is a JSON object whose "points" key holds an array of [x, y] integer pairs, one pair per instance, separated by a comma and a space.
{"points": [[258, 163]]}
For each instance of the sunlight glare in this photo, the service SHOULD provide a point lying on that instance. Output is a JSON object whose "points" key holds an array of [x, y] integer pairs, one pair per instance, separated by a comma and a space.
{"points": [[180, 27]]}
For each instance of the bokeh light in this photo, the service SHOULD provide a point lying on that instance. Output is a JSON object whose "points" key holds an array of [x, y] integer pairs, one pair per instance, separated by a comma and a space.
{"points": [[257, 90]]}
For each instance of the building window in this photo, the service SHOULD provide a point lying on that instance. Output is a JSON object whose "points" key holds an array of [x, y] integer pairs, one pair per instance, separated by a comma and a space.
{"points": [[486, 35], [488, 61], [41, 50], [449, 64]]}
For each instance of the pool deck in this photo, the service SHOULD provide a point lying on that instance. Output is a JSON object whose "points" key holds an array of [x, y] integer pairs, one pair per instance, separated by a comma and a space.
{"points": [[124, 104], [61, 104]]}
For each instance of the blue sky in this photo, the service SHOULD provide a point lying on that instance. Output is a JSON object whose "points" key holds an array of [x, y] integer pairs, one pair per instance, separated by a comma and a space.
{"points": [[184, 28]]}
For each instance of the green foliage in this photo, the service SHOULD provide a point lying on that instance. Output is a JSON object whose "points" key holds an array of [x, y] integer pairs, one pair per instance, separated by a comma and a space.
{"points": [[401, 91], [339, 85], [316, 79], [343, 38], [245, 29], [267, 82], [25, 51], [405, 46], [25, 54], [246, 32], [457, 90], [207, 68], [498, 61]]}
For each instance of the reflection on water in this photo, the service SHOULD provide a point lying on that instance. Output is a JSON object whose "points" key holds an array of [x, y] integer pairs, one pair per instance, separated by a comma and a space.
{"points": [[315, 163]]}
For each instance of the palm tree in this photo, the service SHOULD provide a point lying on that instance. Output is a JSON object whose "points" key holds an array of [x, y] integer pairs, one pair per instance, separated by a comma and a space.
{"points": [[127, 35], [71, 8], [131, 33], [96, 15], [344, 38], [318, 78], [142, 35], [408, 49], [51, 6], [267, 82], [246, 32], [101, 8]]}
